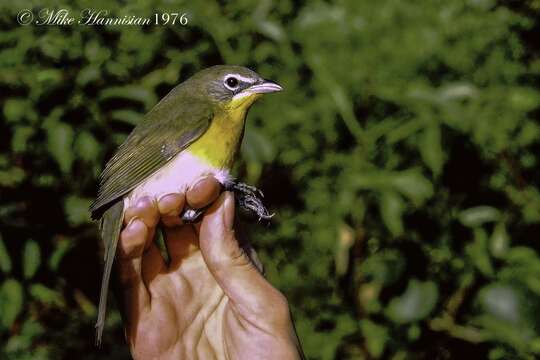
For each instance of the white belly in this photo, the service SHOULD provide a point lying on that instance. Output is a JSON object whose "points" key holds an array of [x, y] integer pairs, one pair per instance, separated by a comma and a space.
{"points": [[176, 176]]}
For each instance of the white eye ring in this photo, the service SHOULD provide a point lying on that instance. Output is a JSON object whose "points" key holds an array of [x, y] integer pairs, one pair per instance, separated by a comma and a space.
{"points": [[231, 83]]}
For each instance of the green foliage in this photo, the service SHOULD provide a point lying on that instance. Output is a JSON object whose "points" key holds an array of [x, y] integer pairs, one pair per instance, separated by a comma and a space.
{"points": [[401, 160]]}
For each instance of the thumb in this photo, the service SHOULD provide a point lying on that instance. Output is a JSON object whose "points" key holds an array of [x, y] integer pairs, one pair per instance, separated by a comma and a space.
{"points": [[233, 270]]}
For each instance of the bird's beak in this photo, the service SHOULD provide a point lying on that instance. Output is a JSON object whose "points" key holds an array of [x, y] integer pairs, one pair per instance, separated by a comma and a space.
{"points": [[264, 87]]}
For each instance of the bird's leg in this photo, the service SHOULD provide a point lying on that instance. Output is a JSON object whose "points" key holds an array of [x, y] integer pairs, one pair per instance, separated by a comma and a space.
{"points": [[249, 199]]}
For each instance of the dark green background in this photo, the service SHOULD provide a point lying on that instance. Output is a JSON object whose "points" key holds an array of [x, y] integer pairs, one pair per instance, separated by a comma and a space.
{"points": [[401, 160]]}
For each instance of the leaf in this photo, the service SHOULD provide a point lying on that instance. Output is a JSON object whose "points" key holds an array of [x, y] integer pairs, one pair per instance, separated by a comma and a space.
{"points": [[12, 177], [416, 303], [87, 75], [31, 259], [410, 183], [376, 337], [87, 147], [5, 260], [129, 92], [343, 247], [431, 148], [392, 208], [127, 116], [76, 210], [61, 249], [15, 109], [413, 185], [19, 142], [384, 267], [502, 301], [499, 241], [60, 140], [46, 295], [479, 254], [11, 302], [479, 215]]}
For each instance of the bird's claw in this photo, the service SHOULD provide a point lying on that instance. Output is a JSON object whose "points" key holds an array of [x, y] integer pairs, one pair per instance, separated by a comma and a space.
{"points": [[249, 199]]}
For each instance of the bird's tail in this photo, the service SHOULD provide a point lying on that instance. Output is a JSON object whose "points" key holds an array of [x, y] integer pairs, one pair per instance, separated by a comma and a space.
{"points": [[111, 224]]}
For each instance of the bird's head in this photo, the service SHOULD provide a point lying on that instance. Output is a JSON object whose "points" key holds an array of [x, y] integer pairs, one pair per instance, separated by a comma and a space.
{"points": [[232, 87]]}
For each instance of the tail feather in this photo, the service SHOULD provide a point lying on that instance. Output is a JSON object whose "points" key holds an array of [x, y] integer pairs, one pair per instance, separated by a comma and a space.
{"points": [[110, 231]]}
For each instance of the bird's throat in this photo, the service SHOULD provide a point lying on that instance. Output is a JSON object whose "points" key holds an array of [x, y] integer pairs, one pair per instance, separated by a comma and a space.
{"points": [[219, 145]]}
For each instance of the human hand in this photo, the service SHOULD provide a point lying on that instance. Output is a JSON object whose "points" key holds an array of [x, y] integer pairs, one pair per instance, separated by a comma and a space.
{"points": [[210, 301]]}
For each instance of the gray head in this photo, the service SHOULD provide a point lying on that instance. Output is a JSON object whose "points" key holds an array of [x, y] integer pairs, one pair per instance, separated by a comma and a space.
{"points": [[230, 85]]}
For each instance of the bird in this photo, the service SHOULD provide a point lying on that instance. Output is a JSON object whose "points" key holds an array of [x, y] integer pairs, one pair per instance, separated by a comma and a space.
{"points": [[196, 130]]}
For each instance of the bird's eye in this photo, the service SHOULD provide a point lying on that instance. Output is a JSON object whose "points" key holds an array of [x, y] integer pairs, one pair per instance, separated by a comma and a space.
{"points": [[231, 82]]}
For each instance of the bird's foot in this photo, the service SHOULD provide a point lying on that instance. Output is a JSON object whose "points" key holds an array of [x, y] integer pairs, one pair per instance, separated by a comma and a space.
{"points": [[249, 199]]}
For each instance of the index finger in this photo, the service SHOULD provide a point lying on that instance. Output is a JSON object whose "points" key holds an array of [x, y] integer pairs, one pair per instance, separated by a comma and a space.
{"points": [[203, 192]]}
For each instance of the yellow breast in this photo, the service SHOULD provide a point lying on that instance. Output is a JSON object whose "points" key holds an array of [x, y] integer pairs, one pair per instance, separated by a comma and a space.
{"points": [[220, 143]]}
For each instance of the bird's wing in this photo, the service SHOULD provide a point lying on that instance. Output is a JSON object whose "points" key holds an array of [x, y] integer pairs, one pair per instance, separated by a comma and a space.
{"points": [[168, 129]]}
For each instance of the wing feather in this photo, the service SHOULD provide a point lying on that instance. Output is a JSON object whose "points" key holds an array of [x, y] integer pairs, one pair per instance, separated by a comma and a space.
{"points": [[164, 132]]}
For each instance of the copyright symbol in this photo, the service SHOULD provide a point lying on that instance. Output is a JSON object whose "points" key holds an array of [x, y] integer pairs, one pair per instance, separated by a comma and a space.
{"points": [[25, 17]]}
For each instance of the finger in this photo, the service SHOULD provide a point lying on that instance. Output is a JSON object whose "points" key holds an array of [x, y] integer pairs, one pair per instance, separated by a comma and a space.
{"points": [[203, 192], [181, 242], [139, 257], [130, 249], [245, 286], [145, 209], [169, 207]]}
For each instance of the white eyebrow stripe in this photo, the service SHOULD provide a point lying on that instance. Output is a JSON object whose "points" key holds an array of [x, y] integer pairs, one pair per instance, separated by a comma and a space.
{"points": [[240, 77]]}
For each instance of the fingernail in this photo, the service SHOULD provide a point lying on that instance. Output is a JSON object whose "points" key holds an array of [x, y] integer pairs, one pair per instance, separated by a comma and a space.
{"points": [[129, 224], [144, 202], [161, 197], [168, 203], [227, 212], [199, 181]]}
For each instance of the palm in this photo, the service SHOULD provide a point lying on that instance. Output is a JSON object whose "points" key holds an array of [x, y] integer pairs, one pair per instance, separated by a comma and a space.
{"points": [[198, 306]]}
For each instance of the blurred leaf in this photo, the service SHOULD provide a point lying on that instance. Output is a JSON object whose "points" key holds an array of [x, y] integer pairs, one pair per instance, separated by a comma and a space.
{"points": [[61, 248], [499, 241], [130, 92], [415, 304], [60, 140], [5, 260], [31, 258], [11, 301], [479, 254], [87, 307], [410, 183], [384, 267], [431, 148], [76, 210], [15, 109], [12, 176], [87, 147], [127, 116], [20, 138], [524, 99], [87, 75], [413, 185], [479, 215], [392, 208], [46, 295], [343, 246], [502, 301], [376, 337]]}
